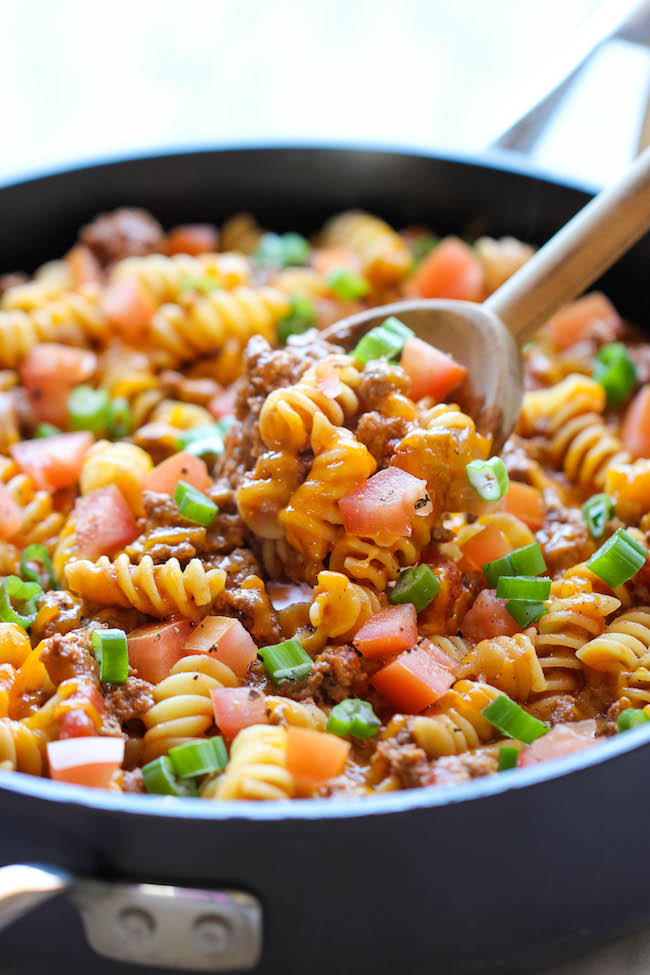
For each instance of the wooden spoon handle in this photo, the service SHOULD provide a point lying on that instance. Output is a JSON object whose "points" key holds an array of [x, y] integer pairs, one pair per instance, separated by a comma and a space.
{"points": [[578, 254]]}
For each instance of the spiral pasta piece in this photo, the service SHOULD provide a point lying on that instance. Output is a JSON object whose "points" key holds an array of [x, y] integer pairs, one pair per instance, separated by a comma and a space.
{"points": [[623, 646], [338, 609], [501, 258], [383, 254], [262, 494], [50, 281], [284, 711], [257, 768], [21, 749], [122, 464], [182, 709], [165, 279], [40, 523], [507, 662], [456, 724], [127, 373], [157, 590]]}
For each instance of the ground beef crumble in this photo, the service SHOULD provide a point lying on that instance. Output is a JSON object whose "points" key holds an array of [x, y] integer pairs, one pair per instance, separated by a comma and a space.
{"points": [[130, 700], [126, 232]]}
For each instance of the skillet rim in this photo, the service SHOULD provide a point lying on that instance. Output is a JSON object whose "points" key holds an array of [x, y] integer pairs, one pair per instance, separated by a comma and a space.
{"points": [[18, 783]]}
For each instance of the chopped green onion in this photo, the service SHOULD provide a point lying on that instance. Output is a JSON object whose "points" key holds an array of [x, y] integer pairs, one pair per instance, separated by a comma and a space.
{"points": [[120, 421], [286, 661], [208, 450], [89, 409], [422, 245], [224, 424], [194, 505], [202, 284], [384, 341], [418, 586], [596, 512], [526, 611], [300, 318], [631, 718], [618, 559], [615, 372], [511, 720], [283, 250], [205, 441], [203, 432], [159, 779], [489, 478], [39, 555], [508, 758], [525, 561], [346, 285], [523, 587], [353, 717], [199, 757], [47, 430], [25, 594], [111, 653]]}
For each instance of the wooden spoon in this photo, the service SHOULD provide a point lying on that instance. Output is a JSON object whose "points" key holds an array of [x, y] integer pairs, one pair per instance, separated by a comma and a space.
{"points": [[487, 338]]}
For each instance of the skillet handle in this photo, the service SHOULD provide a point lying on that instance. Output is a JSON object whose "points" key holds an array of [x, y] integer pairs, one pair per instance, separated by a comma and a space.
{"points": [[146, 924]]}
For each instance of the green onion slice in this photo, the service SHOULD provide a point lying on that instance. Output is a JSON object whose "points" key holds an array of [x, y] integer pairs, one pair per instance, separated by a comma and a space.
{"points": [[194, 505], [631, 718], [508, 758], [346, 285], [89, 409], [111, 653], [199, 757], [615, 372], [14, 590], [283, 250], [511, 720], [120, 420], [525, 561], [385, 341], [37, 554], [159, 779], [489, 478], [300, 318], [205, 441], [618, 559], [353, 717], [526, 611], [523, 587], [286, 661], [46, 430], [596, 512], [418, 586]]}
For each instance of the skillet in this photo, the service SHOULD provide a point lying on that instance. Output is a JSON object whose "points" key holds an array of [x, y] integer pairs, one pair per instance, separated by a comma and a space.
{"points": [[508, 874]]}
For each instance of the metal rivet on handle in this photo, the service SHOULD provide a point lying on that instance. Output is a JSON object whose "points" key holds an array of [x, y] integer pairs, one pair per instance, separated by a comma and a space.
{"points": [[212, 934], [136, 925]]}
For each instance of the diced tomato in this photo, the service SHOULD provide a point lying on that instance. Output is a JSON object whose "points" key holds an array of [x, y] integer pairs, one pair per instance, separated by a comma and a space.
{"points": [[327, 379], [223, 404], [283, 594], [486, 545], [11, 517], [488, 617], [391, 630], [562, 740], [128, 307], [314, 757], [414, 680], [526, 503], [192, 238], [180, 467], [53, 462], [84, 266], [81, 695], [450, 270], [156, 647], [636, 425], [49, 372], [324, 260], [387, 502], [76, 724], [432, 373], [227, 640], [238, 707], [103, 523], [90, 761], [574, 322]]}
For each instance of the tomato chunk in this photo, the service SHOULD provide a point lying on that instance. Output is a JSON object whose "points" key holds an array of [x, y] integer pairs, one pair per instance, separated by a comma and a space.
{"points": [[128, 307], [392, 629], [156, 647], [90, 761], [49, 372], [192, 238], [103, 523], [432, 372], [526, 503], [53, 462], [488, 617], [314, 757], [181, 467], [485, 546], [223, 404], [387, 502], [450, 270], [283, 594], [562, 740], [11, 517], [575, 321], [414, 680], [636, 425], [227, 640], [238, 707]]}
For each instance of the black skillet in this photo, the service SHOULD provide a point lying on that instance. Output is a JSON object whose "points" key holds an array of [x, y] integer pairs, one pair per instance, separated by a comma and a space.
{"points": [[507, 874]]}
